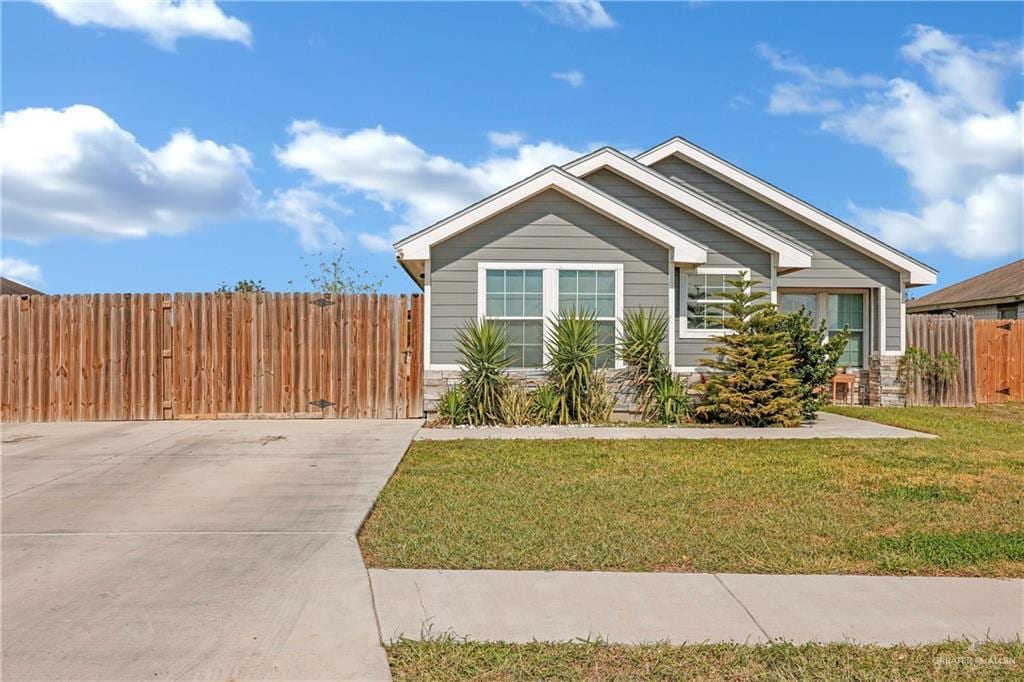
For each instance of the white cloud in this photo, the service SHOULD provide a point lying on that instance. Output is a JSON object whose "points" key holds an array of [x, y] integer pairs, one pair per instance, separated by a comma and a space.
{"points": [[737, 102], [960, 144], [575, 13], [419, 188], [76, 172], [20, 271], [308, 212], [373, 242], [813, 91], [505, 140], [163, 21], [574, 78]]}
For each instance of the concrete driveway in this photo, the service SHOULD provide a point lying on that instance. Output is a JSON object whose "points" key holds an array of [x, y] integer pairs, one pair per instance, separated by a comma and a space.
{"points": [[192, 550]]}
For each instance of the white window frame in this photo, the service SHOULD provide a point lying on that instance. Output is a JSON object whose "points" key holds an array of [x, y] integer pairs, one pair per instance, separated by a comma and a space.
{"points": [[482, 303], [822, 315], [550, 293], [684, 287]]}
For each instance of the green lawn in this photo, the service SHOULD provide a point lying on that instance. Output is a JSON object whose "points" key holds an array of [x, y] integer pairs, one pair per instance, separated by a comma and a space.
{"points": [[447, 660], [952, 506]]}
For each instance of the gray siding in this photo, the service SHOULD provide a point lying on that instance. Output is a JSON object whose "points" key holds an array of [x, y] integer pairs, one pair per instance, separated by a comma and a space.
{"points": [[550, 227], [893, 323], [833, 263], [724, 248]]}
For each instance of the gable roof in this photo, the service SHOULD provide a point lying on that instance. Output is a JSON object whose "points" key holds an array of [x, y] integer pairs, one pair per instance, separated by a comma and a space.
{"points": [[790, 254], [916, 272], [1005, 283], [9, 286], [683, 249]]}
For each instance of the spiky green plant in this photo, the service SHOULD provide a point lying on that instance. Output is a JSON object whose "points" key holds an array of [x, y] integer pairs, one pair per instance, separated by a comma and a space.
{"points": [[483, 345], [670, 403], [451, 407], [544, 405], [643, 332], [572, 349], [516, 405]]}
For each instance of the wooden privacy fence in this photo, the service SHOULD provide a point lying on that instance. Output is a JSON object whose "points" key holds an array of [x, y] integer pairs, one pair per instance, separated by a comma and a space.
{"points": [[944, 334], [991, 354], [157, 356]]}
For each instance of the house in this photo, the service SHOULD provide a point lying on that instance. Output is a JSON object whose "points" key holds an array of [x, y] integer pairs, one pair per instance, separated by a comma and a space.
{"points": [[9, 286], [667, 230], [994, 295]]}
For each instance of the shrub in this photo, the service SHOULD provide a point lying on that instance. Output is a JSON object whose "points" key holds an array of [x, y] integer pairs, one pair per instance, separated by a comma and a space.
{"points": [[544, 404], [516, 405], [670, 403], [936, 371], [602, 400], [572, 350], [451, 407], [643, 332], [484, 349], [752, 383], [816, 355]]}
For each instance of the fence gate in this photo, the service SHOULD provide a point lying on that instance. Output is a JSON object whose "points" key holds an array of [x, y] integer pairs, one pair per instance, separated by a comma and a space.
{"points": [[201, 356], [999, 358]]}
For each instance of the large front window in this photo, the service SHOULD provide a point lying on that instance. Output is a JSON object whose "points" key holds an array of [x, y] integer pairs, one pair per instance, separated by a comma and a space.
{"points": [[839, 311], [516, 298], [528, 299]]}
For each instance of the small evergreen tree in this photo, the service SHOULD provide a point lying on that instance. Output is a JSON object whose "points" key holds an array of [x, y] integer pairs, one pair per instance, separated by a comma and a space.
{"points": [[816, 355], [753, 382]]}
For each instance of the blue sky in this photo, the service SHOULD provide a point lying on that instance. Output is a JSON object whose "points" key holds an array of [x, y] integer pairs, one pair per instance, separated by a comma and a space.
{"points": [[282, 112]]}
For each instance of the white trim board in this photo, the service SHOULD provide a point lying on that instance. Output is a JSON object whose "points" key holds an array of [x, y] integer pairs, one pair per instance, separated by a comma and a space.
{"points": [[682, 249], [915, 273], [789, 255]]}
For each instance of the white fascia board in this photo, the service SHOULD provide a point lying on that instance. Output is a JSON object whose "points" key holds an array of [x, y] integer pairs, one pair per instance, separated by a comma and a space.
{"points": [[790, 256], [914, 273], [682, 249]]}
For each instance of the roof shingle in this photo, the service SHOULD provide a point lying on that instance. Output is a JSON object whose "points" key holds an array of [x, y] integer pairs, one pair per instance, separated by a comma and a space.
{"points": [[1003, 282]]}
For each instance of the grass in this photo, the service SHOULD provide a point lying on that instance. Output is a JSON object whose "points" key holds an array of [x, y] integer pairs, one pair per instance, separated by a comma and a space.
{"points": [[448, 659], [948, 506]]}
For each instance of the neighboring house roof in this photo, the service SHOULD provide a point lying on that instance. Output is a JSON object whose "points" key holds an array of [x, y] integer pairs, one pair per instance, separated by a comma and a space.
{"points": [[917, 272], [1003, 285], [9, 286], [683, 249], [791, 255]]}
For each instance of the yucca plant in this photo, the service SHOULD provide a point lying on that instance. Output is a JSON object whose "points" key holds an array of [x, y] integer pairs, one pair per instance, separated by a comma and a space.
{"points": [[544, 405], [516, 405], [670, 403], [572, 349], [483, 345], [643, 332], [451, 407]]}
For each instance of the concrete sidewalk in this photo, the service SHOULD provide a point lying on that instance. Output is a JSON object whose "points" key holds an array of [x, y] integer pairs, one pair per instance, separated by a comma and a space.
{"points": [[827, 426], [632, 608]]}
